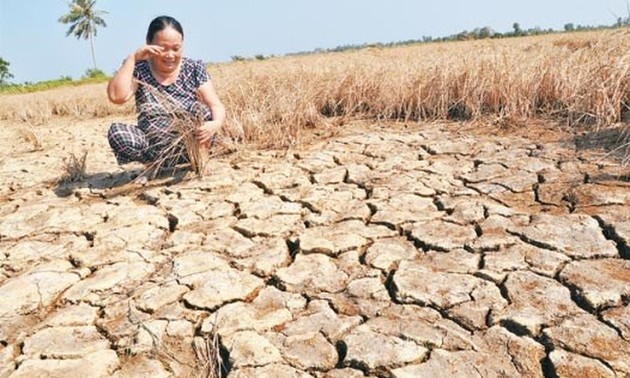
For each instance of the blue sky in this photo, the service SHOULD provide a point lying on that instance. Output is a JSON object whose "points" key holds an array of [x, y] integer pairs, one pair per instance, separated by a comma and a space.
{"points": [[35, 44]]}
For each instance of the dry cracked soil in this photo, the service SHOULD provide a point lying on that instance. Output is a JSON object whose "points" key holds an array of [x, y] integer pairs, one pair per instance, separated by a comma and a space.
{"points": [[416, 250]]}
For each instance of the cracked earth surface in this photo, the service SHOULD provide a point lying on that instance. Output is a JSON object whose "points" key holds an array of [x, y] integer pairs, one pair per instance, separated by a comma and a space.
{"points": [[415, 251]]}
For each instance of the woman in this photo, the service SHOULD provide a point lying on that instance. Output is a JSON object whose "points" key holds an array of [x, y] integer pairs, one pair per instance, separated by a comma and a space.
{"points": [[164, 84]]}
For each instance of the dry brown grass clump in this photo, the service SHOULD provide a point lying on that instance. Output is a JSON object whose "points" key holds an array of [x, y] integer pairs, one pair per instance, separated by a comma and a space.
{"points": [[183, 124], [30, 137], [74, 169]]}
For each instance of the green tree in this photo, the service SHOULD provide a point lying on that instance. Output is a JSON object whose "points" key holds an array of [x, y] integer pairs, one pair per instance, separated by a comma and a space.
{"points": [[517, 29], [84, 20], [485, 32], [4, 71]]}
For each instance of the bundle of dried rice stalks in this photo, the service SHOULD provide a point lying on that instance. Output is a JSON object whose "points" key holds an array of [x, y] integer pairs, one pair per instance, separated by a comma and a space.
{"points": [[178, 145]]}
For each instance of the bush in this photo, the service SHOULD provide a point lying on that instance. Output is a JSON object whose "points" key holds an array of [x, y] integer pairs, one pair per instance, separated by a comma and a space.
{"points": [[94, 73]]}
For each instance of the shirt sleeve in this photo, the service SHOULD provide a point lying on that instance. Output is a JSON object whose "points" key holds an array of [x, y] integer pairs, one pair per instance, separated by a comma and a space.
{"points": [[136, 70], [200, 73], [142, 72]]}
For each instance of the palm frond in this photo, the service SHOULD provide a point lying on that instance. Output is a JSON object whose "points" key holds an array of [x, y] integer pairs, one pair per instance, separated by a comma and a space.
{"points": [[83, 18]]}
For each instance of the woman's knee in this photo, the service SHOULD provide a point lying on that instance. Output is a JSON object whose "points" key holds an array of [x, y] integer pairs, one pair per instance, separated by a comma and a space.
{"points": [[128, 143], [122, 136]]}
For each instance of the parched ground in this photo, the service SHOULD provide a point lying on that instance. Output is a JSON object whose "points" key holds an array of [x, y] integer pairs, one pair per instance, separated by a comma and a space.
{"points": [[416, 250]]}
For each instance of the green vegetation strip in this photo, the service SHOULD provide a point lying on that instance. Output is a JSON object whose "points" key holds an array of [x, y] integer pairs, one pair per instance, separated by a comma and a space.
{"points": [[49, 84]]}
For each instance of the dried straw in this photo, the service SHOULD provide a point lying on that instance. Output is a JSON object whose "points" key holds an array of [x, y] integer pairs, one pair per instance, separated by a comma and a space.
{"points": [[30, 137], [183, 126], [207, 352], [73, 169], [579, 79]]}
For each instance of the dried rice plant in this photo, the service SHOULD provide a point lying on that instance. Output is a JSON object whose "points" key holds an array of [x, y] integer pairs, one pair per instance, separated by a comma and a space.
{"points": [[207, 352], [577, 78], [80, 102], [30, 137], [180, 144], [73, 169], [580, 78]]}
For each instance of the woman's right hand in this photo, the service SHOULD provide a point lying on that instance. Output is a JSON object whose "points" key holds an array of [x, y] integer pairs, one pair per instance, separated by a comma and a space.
{"points": [[148, 51], [122, 86]]}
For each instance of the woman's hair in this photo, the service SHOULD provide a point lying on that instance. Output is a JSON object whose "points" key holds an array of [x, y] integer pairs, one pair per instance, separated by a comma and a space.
{"points": [[160, 23]]}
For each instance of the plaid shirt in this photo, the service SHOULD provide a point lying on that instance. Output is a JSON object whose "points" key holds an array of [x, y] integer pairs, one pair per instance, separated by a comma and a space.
{"points": [[154, 133], [183, 91]]}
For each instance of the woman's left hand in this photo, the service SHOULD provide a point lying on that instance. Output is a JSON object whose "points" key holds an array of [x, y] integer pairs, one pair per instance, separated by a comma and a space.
{"points": [[206, 132]]}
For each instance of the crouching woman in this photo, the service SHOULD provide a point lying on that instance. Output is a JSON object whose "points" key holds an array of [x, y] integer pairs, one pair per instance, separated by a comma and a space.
{"points": [[166, 85]]}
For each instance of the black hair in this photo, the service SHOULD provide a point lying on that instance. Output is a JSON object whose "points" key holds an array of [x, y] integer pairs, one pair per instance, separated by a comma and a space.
{"points": [[160, 23]]}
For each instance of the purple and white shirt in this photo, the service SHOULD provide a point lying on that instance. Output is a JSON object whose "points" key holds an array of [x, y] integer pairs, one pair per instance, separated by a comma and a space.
{"points": [[183, 92]]}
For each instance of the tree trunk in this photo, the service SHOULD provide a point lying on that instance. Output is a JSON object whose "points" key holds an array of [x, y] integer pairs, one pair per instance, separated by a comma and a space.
{"points": [[93, 55]]}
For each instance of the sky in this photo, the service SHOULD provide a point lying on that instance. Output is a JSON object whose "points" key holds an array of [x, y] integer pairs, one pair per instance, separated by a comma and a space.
{"points": [[35, 43]]}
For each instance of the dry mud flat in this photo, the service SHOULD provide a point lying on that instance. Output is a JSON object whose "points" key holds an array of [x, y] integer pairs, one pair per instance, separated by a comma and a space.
{"points": [[383, 252]]}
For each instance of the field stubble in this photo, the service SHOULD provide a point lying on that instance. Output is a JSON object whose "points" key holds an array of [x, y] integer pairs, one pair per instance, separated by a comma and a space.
{"points": [[577, 79]]}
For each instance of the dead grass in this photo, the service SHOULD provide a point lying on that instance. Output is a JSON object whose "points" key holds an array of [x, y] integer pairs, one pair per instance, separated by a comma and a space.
{"points": [[183, 123], [208, 357], [30, 137], [74, 169], [81, 102], [183, 142], [578, 79]]}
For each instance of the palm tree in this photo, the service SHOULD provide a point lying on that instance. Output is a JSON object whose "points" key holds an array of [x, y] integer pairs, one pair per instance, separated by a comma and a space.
{"points": [[83, 20]]}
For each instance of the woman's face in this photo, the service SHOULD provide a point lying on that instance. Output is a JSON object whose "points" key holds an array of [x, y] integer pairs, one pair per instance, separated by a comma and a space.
{"points": [[171, 42]]}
